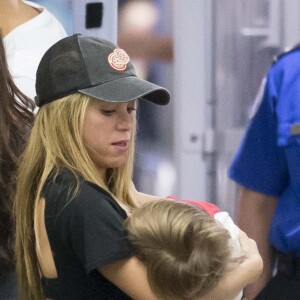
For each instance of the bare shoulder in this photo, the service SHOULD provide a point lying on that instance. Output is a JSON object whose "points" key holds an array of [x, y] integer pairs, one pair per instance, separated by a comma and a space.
{"points": [[142, 198]]}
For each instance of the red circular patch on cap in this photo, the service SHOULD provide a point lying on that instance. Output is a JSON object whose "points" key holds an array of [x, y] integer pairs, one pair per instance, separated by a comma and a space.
{"points": [[118, 59]]}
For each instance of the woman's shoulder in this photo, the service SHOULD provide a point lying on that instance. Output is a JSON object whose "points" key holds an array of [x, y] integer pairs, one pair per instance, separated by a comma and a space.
{"points": [[66, 181], [60, 181], [70, 190]]}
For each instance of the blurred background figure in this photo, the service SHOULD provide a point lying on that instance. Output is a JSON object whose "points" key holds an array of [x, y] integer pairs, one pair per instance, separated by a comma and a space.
{"points": [[138, 33], [146, 37], [28, 31]]}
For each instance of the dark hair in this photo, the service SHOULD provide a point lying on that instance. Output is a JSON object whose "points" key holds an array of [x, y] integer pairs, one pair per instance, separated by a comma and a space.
{"points": [[16, 118]]}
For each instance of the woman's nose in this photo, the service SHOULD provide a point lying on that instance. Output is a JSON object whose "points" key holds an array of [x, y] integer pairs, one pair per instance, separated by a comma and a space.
{"points": [[125, 121]]}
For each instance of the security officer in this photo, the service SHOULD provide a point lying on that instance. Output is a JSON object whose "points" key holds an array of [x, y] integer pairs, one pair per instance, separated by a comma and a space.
{"points": [[267, 166]]}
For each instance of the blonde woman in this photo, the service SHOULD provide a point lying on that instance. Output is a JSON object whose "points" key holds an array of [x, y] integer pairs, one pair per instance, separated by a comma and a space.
{"points": [[74, 187]]}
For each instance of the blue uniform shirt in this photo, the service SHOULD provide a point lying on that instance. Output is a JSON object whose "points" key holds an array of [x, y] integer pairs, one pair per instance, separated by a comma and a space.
{"points": [[268, 159]]}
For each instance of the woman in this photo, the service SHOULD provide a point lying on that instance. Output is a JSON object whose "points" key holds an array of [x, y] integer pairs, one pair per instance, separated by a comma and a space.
{"points": [[16, 118], [74, 187]]}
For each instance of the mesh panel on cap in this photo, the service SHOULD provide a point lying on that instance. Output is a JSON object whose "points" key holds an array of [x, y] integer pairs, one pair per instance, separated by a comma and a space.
{"points": [[61, 72], [82, 64]]}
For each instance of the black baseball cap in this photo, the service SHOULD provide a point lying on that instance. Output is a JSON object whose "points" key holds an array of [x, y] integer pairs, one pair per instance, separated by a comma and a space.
{"points": [[94, 67]]}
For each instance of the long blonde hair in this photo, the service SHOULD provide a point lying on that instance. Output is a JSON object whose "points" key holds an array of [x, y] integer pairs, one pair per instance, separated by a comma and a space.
{"points": [[184, 250], [56, 143]]}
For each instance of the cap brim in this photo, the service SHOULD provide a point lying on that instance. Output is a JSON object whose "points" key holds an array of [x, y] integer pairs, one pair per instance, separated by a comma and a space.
{"points": [[128, 88]]}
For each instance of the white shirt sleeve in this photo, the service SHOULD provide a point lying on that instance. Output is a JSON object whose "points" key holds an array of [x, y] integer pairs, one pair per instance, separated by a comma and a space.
{"points": [[26, 44]]}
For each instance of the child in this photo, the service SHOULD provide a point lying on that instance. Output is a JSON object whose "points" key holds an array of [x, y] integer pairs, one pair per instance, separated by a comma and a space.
{"points": [[186, 250]]}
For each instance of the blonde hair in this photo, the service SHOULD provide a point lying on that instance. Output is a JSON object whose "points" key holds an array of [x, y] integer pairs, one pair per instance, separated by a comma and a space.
{"points": [[183, 249], [56, 143]]}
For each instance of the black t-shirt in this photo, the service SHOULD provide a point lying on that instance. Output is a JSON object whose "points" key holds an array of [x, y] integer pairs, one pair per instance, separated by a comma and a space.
{"points": [[85, 231]]}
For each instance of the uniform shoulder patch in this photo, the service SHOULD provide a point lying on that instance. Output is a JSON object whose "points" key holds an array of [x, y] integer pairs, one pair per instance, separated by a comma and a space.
{"points": [[287, 51]]}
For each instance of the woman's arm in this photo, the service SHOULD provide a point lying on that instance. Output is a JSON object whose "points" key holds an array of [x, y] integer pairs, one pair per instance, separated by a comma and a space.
{"points": [[130, 276], [245, 273]]}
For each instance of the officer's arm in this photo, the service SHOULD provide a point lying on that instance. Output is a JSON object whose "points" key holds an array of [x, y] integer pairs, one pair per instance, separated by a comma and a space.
{"points": [[254, 215]]}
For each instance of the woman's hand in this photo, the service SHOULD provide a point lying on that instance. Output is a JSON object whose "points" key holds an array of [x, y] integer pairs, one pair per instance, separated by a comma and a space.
{"points": [[247, 272], [253, 262]]}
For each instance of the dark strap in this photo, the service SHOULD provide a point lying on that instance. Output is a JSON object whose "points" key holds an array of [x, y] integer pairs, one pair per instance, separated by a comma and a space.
{"points": [[50, 288], [288, 265]]}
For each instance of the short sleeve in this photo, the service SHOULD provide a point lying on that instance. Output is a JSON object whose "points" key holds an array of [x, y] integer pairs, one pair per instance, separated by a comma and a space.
{"points": [[208, 207], [91, 225], [259, 163], [226, 221]]}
